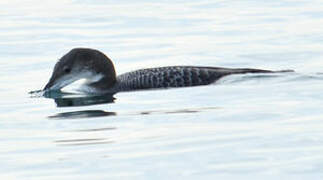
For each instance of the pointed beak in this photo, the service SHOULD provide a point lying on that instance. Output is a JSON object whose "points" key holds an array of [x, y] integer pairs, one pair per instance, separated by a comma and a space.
{"points": [[57, 82], [49, 85], [54, 78]]}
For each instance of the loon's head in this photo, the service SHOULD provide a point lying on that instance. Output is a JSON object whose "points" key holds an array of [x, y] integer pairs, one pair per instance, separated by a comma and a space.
{"points": [[83, 63]]}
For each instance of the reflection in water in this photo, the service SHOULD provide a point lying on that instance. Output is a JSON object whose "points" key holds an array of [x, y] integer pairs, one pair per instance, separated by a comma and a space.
{"points": [[177, 111], [96, 129], [101, 113], [79, 142], [82, 114], [86, 141], [83, 101], [63, 99]]}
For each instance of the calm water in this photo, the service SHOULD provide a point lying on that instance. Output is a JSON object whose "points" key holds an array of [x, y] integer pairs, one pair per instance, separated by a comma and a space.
{"points": [[251, 126]]}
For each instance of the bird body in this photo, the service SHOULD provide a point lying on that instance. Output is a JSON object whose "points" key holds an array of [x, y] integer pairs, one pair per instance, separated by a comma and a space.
{"points": [[174, 76], [99, 72]]}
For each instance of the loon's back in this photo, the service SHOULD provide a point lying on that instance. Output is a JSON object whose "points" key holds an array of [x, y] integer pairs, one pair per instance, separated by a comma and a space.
{"points": [[175, 76]]}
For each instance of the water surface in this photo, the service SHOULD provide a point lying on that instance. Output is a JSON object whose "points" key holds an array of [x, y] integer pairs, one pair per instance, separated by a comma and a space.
{"points": [[250, 126]]}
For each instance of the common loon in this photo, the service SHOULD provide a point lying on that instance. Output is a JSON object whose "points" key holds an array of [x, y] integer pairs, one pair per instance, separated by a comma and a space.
{"points": [[98, 71]]}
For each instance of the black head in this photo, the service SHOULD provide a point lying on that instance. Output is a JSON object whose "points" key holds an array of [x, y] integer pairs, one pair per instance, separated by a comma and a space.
{"points": [[82, 63]]}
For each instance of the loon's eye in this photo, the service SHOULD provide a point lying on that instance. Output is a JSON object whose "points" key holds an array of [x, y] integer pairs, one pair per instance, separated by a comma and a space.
{"points": [[67, 70]]}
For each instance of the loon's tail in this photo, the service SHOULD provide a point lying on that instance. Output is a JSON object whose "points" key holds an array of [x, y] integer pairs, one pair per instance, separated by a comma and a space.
{"points": [[249, 70]]}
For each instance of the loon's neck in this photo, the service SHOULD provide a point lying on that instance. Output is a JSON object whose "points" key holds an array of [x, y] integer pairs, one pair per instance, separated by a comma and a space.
{"points": [[103, 84]]}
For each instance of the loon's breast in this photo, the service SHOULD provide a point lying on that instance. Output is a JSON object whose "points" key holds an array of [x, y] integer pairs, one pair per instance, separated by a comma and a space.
{"points": [[167, 77]]}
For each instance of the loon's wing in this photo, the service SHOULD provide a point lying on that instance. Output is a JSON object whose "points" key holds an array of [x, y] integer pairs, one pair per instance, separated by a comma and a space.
{"points": [[176, 76]]}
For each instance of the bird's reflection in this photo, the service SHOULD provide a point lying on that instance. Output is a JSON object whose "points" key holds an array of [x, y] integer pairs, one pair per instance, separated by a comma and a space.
{"points": [[82, 114], [63, 99]]}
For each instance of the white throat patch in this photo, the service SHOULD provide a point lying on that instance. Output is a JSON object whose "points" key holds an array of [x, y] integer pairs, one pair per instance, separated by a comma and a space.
{"points": [[91, 78], [86, 77]]}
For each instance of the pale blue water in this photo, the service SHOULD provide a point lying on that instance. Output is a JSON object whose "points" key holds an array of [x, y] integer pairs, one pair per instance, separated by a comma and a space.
{"points": [[250, 126]]}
